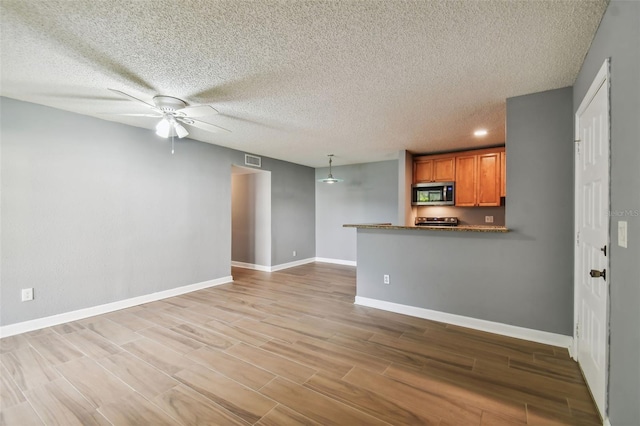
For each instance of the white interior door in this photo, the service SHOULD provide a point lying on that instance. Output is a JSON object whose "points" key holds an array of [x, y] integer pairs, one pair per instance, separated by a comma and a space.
{"points": [[592, 228]]}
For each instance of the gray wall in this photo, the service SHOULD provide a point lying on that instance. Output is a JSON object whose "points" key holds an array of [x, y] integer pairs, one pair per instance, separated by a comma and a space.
{"points": [[368, 194], [522, 278], [406, 214], [293, 216], [618, 38], [95, 212]]}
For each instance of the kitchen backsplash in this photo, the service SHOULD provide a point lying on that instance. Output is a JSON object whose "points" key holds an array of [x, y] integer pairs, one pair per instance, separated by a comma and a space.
{"points": [[465, 215]]}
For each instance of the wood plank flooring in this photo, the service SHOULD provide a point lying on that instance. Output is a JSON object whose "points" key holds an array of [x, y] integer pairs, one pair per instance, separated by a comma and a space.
{"points": [[282, 348]]}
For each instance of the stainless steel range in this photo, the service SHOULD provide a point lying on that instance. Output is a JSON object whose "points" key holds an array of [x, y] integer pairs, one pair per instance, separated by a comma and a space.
{"points": [[436, 221]]}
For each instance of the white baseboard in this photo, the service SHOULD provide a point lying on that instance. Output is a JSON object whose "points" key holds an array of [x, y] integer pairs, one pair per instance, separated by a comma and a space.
{"points": [[38, 323], [253, 266], [275, 268], [477, 324], [292, 264], [336, 261], [282, 266]]}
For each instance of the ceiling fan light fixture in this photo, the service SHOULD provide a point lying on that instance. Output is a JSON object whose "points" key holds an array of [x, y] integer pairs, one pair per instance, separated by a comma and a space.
{"points": [[180, 130], [164, 128], [330, 179]]}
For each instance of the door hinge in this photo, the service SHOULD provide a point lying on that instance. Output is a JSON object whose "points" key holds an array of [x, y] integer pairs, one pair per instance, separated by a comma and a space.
{"points": [[578, 238], [577, 141], [577, 330]]}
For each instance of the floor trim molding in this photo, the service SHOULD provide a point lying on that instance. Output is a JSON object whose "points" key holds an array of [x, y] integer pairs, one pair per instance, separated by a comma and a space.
{"points": [[253, 266], [38, 323], [477, 324], [336, 261], [274, 268], [292, 264]]}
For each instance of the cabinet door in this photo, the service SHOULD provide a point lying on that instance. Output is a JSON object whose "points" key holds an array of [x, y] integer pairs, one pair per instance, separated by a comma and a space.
{"points": [[422, 171], [466, 181], [444, 169], [503, 173], [488, 179]]}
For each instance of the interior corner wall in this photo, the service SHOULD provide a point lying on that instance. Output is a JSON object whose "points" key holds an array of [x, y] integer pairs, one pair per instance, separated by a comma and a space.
{"points": [[617, 38], [405, 180], [95, 212], [369, 194]]}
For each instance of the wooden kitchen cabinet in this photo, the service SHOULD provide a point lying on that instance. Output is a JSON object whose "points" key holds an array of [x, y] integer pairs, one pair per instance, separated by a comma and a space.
{"points": [[466, 167], [479, 175], [478, 178], [503, 173], [422, 170], [434, 168], [488, 180], [444, 169]]}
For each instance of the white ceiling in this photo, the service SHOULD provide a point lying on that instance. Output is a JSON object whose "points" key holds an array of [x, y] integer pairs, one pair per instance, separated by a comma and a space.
{"points": [[297, 80]]}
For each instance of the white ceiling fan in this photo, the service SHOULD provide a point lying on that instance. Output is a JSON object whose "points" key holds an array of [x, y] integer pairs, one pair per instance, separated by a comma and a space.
{"points": [[173, 113]]}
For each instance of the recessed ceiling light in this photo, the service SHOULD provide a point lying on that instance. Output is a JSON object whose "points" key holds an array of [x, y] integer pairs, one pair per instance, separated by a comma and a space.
{"points": [[481, 132]]}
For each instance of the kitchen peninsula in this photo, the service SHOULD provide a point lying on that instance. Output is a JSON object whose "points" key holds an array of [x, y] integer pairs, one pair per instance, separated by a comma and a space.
{"points": [[463, 275], [461, 228]]}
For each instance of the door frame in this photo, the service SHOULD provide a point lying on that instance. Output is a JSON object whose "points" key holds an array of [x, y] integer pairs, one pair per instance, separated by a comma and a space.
{"points": [[262, 203], [602, 77]]}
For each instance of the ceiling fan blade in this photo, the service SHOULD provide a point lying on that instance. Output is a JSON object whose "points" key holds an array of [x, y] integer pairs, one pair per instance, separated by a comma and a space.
{"points": [[197, 111], [134, 98], [142, 115], [202, 125]]}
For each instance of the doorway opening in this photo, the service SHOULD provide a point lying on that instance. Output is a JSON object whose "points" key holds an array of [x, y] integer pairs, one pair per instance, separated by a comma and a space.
{"points": [[250, 218]]}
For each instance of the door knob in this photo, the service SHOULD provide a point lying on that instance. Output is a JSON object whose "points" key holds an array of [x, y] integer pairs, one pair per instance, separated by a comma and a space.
{"points": [[596, 274]]}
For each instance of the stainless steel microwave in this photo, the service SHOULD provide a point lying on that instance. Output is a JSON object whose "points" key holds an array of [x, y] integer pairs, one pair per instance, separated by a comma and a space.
{"points": [[433, 194]]}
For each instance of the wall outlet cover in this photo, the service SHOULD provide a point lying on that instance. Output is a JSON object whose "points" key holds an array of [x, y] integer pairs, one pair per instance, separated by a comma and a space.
{"points": [[27, 294], [622, 233]]}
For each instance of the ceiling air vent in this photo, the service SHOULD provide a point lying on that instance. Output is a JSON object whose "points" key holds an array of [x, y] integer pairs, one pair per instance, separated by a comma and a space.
{"points": [[252, 160]]}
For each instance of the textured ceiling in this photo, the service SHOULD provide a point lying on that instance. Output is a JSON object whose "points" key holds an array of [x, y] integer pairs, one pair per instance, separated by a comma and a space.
{"points": [[297, 80]]}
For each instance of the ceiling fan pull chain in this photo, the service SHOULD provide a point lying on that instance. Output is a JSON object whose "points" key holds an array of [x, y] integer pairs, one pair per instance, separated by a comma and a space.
{"points": [[172, 145]]}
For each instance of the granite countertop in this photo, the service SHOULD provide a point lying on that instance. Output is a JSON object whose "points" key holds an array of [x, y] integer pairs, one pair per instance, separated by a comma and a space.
{"points": [[459, 228]]}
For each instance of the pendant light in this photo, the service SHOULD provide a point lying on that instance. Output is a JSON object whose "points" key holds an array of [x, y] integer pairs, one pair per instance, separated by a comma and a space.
{"points": [[330, 178]]}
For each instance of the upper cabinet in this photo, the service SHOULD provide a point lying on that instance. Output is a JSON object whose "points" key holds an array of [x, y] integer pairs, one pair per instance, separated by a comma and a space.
{"points": [[503, 173], [434, 168], [466, 178], [488, 180], [479, 174]]}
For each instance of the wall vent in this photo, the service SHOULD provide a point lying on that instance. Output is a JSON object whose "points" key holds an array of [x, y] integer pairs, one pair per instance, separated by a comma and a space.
{"points": [[252, 160]]}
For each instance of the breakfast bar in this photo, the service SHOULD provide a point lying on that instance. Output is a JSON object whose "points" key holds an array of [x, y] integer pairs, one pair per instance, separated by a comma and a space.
{"points": [[459, 228], [465, 275]]}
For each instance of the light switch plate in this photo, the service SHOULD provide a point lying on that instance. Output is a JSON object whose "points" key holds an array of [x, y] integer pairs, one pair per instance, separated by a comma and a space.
{"points": [[622, 233]]}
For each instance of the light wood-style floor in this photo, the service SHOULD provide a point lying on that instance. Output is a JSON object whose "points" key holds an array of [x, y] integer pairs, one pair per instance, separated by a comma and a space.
{"points": [[282, 348]]}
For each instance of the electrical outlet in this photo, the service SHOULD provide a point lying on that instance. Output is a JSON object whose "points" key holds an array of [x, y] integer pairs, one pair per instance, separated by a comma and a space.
{"points": [[27, 294], [622, 233], [488, 219], [294, 253], [385, 279]]}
